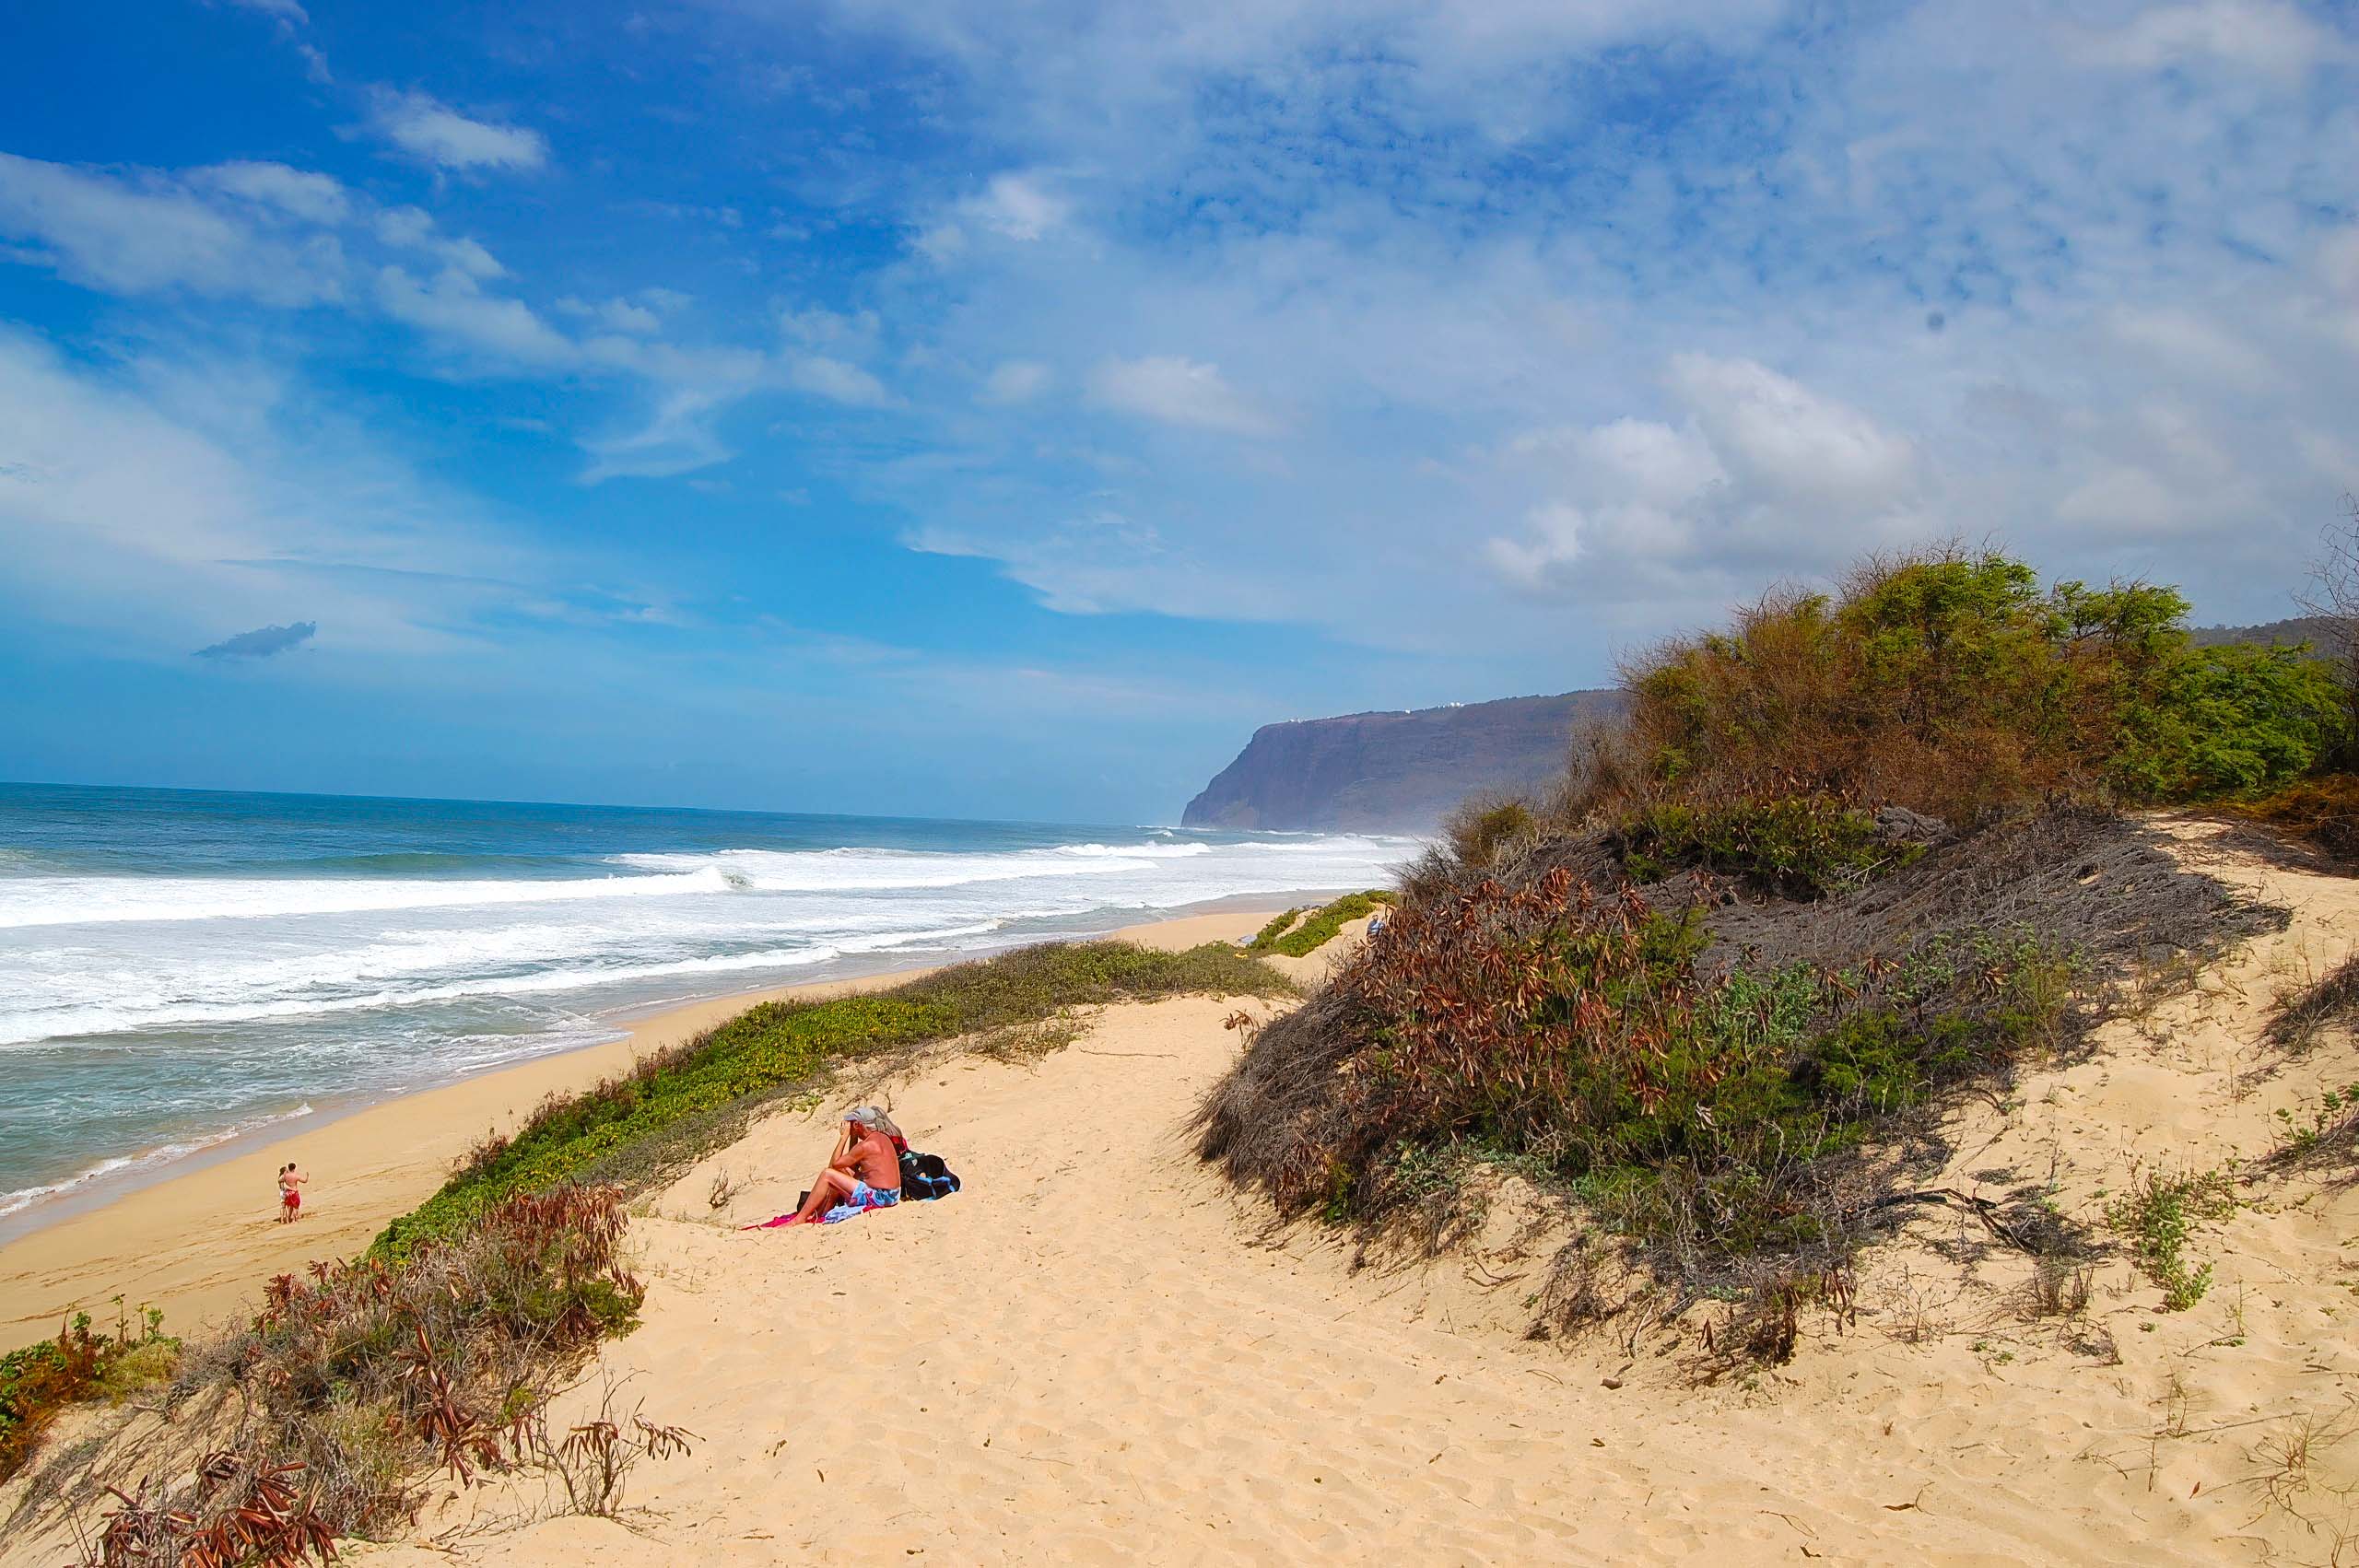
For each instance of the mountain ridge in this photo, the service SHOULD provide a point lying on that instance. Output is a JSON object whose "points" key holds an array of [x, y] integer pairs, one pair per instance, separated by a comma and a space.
{"points": [[1400, 770]]}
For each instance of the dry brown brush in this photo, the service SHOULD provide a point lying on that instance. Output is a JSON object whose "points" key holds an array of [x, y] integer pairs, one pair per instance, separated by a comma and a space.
{"points": [[355, 1381], [1736, 1091]]}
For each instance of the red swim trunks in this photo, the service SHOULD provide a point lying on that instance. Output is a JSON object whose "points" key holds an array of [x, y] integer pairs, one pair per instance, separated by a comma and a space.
{"points": [[290, 1200]]}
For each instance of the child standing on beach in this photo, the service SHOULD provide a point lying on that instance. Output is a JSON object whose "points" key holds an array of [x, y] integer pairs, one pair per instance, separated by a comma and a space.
{"points": [[290, 1202]]}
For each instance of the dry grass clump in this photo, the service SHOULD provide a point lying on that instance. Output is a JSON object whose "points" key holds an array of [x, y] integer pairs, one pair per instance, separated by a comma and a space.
{"points": [[324, 1413], [2297, 1021], [1477, 829], [2325, 1132], [2322, 810]]}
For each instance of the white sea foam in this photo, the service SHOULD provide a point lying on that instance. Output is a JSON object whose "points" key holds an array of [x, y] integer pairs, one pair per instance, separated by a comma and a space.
{"points": [[70, 1023], [318, 985], [74, 901]]}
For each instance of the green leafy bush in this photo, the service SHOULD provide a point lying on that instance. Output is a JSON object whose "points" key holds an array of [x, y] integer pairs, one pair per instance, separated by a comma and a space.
{"points": [[1951, 684], [1266, 938], [2232, 719]]}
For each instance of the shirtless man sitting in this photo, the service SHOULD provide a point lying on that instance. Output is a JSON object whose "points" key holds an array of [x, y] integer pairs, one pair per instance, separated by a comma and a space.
{"points": [[864, 1173]]}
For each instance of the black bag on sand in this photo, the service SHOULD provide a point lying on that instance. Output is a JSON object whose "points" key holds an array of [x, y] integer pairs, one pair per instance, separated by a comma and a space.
{"points": [[924, 1177]]}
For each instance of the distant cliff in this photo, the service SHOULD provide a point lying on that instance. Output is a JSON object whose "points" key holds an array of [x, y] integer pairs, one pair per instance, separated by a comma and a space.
{"points": [[1390, 772]]}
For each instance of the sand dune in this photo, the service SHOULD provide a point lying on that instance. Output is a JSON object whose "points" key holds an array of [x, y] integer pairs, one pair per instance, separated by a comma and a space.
{"points": [[1096, 1353]]}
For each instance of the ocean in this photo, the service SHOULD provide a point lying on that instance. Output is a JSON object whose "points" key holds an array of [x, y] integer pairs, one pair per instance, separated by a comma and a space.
{"points": [[181, 967]]}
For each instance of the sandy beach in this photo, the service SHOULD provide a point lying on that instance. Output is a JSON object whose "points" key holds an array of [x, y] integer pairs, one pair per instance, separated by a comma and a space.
{"points": [[200, 1244], [1099, 1353]]}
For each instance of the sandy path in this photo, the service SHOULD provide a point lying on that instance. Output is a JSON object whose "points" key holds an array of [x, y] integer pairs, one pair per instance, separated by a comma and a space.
{"points": [[1086, 1357]]}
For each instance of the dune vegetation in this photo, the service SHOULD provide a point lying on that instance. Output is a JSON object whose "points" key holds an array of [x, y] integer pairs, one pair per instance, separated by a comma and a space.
{"points": [[1852, 855], [42, 1378], [1298, 933]]}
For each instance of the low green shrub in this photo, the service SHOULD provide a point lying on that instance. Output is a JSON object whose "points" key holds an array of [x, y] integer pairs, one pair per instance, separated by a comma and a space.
{"points": [[2160, 1216], [1265, 939], [1319, 928], [782, 1047], [41, 1379], [1802, 845]]}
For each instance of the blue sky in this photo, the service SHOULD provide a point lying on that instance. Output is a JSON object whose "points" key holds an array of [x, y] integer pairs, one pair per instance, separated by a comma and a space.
{"points": [[1001, 410]]}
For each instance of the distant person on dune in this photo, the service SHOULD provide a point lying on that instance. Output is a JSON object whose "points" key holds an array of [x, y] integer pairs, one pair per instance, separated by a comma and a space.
{"points": [[863, 1173], [290, 1200]]}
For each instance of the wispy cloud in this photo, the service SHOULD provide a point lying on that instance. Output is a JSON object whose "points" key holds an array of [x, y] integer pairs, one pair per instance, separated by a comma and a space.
{"points": [[432, 131], [1174, 391], [2266, 35], [837, 382], [241, 498], [285, 10], [143, 232], [454, 307]]}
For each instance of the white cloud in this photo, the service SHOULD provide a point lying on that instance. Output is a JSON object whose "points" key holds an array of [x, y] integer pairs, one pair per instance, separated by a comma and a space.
{"points": [[413, 228], [1014, 380], [941, 243], [2187, 344], [2265, 35], [1760, 469], [1551, 545], [453, 308], [616, 315], [432, 131], [837, 382], [1774, 433], [1178, 392], [623, 316], [2120, 499], [314, 198], [677, 439], [141, 233], [285, 10], [1104, 561], [1020, 206], [854, 332]]}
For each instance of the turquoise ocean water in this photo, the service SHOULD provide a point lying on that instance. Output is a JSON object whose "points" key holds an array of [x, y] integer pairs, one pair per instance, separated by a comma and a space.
{"points": [[180, 967]]}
